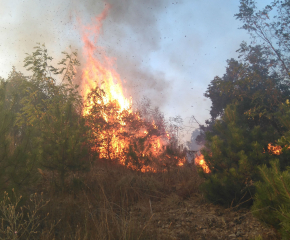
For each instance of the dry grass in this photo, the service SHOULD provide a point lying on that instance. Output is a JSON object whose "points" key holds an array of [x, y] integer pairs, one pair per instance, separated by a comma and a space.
{"points": [[98, 204]]}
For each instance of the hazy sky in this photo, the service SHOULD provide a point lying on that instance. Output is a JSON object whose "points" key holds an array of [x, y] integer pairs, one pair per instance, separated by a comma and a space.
{"points": [[166, 50]]}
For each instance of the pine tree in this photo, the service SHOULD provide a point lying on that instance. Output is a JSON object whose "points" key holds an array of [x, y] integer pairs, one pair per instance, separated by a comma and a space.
{"points": [[232, 152], [246, 101], [272, 198]]}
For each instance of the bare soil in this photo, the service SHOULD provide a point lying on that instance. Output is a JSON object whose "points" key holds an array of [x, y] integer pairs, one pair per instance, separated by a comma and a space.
{"points": [[194, 218]]}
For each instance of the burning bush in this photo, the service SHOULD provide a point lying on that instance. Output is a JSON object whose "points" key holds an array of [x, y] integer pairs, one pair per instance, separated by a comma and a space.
{"points": [[118, 132], [123, 136]]}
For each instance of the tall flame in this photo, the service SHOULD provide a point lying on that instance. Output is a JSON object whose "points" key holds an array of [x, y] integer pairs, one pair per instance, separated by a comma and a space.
{"points": [[99, 72]]}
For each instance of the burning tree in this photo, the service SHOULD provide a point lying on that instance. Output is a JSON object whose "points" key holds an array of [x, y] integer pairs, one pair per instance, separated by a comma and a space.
{"points": [[48, 124], [124, 136], [118, 132]]}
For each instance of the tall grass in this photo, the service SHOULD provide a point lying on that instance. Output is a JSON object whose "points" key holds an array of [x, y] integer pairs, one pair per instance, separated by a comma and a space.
{"points": [[95, 205]]}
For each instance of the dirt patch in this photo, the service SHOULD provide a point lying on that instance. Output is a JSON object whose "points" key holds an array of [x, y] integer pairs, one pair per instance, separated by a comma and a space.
{"points": [[174, 218]]}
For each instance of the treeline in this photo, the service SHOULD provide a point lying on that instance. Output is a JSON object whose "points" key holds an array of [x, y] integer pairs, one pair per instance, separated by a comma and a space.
{"points": [[250, 112]]}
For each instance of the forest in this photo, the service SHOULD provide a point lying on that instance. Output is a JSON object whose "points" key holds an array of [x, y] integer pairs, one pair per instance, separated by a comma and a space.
{"points": [[79, 162]]}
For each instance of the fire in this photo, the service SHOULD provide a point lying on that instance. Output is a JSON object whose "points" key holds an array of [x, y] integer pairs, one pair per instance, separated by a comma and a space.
{"points": [[181, 163], [124, 136], [99, 71], [274, 149], [199, 160], [277, 150]]}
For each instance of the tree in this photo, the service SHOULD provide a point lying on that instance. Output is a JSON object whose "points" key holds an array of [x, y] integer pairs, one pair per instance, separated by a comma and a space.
{"points": [[245, 103], [270, 26], [233, 150], [251, 83], [54, 112], [17, 158], [272, 199]]}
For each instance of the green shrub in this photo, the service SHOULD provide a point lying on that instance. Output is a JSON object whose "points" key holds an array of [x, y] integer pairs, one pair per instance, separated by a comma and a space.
{"points": [[272, 198], [228, 190], [233, 150]]}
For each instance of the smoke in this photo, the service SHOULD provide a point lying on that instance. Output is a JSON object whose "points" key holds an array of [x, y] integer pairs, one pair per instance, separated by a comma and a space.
{"points": [[130, 34], [167, 51]]}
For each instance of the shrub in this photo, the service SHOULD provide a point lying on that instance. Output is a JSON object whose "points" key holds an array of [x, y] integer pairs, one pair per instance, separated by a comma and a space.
{"points": [[19, 222], [272, 198]]}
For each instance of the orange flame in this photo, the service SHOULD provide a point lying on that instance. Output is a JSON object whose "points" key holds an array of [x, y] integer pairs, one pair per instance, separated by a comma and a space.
{"points": [[277, 150], [199, 160], [99, 72], [274, 149]]}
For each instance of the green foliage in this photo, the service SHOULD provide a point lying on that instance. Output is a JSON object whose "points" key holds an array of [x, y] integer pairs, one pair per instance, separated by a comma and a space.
{"points": [[270, 26], [232, 152], [45, 126], [246, 112], [272, 198], [55, 112], [250, 84], [246, 101], [41, 123], [16, 158]]}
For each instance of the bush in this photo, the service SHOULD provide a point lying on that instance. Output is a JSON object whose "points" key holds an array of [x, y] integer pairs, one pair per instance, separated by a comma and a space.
{"points": [[233, 151], [272, 198], [21, 222]]}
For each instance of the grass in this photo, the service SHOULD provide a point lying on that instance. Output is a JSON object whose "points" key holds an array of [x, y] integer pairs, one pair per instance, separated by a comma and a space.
{"points": [[94, 205]]}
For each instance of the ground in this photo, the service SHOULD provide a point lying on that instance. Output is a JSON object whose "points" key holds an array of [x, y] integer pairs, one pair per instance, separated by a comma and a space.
{"points": [[194, 218]]}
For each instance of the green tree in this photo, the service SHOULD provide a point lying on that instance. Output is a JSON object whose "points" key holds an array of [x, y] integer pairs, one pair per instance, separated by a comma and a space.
{"points": [[55, 113], [16, 152], [250, 83], [245, 103], [233, 150], [272, 199], [270, 27]]}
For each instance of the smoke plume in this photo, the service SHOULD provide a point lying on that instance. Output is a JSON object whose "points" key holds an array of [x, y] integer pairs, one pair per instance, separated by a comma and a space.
{"points": [[130, 34]]}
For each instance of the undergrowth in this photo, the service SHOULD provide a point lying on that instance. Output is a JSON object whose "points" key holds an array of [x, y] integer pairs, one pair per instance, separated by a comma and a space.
{"points": [[93, 205]]}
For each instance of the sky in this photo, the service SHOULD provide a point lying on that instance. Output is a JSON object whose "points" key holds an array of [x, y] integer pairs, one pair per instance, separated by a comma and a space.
{"points": [[168, 51]]}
